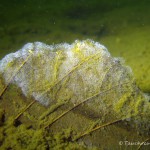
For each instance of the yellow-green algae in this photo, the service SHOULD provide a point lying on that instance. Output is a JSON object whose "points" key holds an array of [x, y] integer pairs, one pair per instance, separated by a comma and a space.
{"points": [[23, 137], [127, 37], [31, 124]]}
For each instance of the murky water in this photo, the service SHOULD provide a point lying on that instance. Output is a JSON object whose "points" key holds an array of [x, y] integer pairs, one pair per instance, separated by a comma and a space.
{"points": [[122, 26], [62, 21]]}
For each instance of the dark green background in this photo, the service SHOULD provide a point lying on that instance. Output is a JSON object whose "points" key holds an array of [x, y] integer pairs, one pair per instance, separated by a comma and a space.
{"points": [[123, 26]]}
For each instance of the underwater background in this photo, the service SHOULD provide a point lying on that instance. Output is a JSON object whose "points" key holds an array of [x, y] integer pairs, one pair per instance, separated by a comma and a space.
{"points": [[123, 26]]}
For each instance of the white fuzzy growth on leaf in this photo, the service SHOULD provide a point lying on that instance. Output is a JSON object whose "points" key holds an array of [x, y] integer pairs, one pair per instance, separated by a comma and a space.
{"points": [[76, 72], [37, 74]]}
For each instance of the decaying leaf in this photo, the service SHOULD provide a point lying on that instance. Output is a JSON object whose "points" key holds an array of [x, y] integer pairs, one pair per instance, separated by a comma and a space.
{"points": [[82, 79]]}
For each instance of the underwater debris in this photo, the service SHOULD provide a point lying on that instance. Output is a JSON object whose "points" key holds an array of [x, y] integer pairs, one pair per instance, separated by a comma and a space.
{"points": [[82, 76]]}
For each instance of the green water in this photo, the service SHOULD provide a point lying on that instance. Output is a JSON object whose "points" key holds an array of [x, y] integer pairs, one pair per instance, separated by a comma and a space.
{"points": [[122, 26]]}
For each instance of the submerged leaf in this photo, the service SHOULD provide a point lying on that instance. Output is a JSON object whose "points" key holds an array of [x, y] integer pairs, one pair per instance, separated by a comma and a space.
{"points": [[82, 76]]}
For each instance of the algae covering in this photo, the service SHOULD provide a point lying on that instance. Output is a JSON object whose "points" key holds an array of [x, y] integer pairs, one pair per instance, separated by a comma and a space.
{"points": [[70, 96]]}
